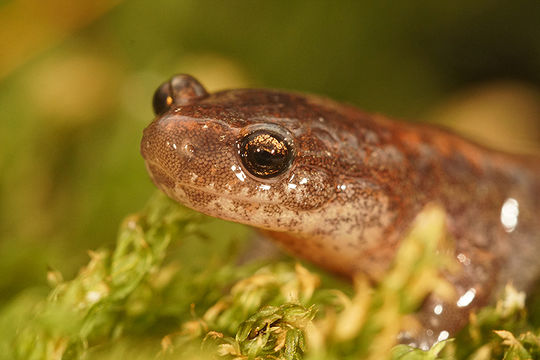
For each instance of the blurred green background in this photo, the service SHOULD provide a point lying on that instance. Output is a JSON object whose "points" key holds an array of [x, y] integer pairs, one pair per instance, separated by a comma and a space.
{"points": [[77, 77]]}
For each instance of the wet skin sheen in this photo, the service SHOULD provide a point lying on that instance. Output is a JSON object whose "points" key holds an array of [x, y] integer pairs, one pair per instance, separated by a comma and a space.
{"points": [[340, 187]]}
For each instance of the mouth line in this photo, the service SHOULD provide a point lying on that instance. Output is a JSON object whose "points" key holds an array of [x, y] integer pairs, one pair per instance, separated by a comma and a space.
{"points": [[221, 195]]}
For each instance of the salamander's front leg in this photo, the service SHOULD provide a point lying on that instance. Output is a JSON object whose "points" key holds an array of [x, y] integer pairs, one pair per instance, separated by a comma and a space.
{"points": [[474, 284]]}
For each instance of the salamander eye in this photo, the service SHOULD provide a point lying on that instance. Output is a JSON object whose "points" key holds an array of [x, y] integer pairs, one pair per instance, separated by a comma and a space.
{"points": [[179, 90], [265, 154], [163, 98]]}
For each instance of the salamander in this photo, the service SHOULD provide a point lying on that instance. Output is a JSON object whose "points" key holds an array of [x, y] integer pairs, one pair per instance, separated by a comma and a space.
{"points": [[340, 187]]}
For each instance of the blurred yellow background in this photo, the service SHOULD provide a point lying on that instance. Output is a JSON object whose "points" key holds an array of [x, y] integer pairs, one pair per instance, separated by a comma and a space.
{"points": [[77, 78]]}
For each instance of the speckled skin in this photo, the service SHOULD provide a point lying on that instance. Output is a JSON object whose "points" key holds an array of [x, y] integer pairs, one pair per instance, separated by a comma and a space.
{"points": [[355, 185]]}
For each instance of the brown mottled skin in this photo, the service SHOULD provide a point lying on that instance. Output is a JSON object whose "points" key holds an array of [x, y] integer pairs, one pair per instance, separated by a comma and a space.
{"points": [[355, 184]]}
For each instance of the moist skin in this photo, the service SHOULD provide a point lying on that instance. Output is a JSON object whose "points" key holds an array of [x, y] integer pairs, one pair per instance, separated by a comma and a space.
{"points": [[353, 186]]}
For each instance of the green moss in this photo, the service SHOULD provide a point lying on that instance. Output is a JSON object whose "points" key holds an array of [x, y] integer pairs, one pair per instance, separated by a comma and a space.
{"points": [[172, 288]]}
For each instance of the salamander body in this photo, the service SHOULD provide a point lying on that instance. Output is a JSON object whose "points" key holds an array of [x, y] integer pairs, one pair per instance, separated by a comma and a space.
{"points": [[339, 187]]}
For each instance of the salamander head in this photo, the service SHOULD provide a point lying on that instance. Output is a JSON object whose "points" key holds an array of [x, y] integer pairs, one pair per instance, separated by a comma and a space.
{"points": [[243, 155], [318, 175]]}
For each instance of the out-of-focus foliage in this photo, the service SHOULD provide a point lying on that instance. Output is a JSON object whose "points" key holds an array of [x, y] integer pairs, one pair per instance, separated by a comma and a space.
{"points": [[164, 293], [77, 77]]}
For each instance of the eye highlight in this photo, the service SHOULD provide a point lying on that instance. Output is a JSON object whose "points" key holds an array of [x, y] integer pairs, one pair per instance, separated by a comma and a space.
{"points": [[265, 154]]}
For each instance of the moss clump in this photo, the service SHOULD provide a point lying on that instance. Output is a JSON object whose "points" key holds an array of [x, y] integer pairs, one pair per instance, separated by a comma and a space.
{"points": [[172, 289]]}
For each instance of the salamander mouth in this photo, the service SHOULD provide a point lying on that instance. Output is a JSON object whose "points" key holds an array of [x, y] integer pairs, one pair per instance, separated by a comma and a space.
{"points": [[168, 184]]}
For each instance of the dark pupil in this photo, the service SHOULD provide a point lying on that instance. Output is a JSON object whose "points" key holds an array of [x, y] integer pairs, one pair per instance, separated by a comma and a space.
{"points": [[265, 155]]}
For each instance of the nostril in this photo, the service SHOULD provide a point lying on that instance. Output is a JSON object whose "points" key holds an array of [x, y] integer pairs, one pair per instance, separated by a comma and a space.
{"points": [[188, 149], [184, 149]]}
